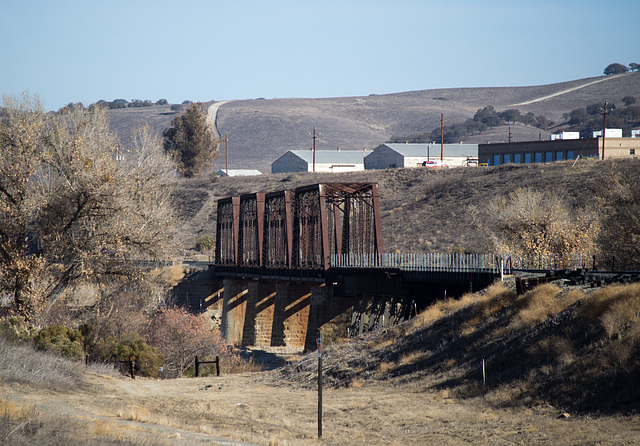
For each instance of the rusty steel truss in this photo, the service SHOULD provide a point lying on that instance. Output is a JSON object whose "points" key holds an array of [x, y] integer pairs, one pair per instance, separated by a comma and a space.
{"points": [[298, 229]]}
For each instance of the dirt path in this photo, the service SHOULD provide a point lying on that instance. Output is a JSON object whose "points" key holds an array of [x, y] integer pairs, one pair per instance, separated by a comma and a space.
{"points": [[212, 114], [567, 90], [241, 409]]}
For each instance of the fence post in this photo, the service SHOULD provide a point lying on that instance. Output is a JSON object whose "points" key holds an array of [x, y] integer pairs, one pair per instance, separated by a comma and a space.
{"points": [[197, 367], [217, 365], [131, 367]]}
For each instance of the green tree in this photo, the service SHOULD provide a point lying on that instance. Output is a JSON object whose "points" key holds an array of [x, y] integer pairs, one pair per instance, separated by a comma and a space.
{"points": [[190, 141], [71, 207], [529, 119], [488, 116], [628, 100], [634, 66], [578, 116], [542, 122], [615, 68], [510, 115]]}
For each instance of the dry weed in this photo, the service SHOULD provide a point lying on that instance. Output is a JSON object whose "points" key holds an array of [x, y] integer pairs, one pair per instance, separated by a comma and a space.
{"points": [[600, 301], [496, 298], [414, 358], [618, 317], [540, 303], [385, 367], [381, 344], [170, 276], [427, 317], [22, 363], [553, 347], [617, 307]]}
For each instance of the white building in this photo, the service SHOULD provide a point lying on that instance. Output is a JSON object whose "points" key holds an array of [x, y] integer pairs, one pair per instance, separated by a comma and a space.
{"points": [[609, 133], [239, 172], [635, 133], [325, 161], [566, 135], [389, 155]]}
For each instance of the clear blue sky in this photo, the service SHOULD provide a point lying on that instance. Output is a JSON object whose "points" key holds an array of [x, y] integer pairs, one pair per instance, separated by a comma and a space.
{"points": [[71, 51]]}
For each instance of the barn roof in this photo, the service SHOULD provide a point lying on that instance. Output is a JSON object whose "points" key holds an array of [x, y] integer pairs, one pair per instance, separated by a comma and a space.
{"points": [[418, 150], [331, 156]]}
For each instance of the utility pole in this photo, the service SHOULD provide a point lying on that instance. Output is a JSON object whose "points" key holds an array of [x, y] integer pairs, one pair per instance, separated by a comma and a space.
{"points": [[226, 146], [604, 125], [314, 149], [441, 137], [509, 134]]}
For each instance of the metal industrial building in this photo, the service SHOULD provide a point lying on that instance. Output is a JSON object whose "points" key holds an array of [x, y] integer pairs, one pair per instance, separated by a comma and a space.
{"points": [[322, 161], [557, 150], [388, 156]]}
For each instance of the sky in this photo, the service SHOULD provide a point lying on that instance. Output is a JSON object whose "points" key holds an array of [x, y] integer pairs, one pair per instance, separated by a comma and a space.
{"points": [[85, 51]]}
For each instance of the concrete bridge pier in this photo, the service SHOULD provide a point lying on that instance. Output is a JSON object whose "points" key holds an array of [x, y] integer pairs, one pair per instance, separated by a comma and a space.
{"points": [[234, 305], [291, 314], [258, 321]]}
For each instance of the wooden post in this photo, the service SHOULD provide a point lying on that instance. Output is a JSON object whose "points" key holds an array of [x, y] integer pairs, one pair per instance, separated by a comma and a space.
{"points": [[197, 367], [320, 339], [131, 367], [217, 365]]}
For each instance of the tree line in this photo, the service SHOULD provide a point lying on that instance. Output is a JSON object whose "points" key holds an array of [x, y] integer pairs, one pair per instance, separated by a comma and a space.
{"points": [[588, 119], [80, 218], [123, 103], [484, 119], [618, 68]]}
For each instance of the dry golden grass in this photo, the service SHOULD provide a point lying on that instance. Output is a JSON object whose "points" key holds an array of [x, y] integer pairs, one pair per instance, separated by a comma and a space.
{"points": [[170, 276], [617, 307], [555, 347], [496, 298], [414, 358], [443, 308], [543, 301]]}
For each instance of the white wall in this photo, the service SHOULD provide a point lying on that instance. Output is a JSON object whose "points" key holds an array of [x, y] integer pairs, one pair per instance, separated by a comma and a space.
{"points": [[609, 133]]}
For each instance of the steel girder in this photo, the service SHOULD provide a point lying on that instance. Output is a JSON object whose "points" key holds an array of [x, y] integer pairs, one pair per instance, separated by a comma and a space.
{"points": [[298, 229]]}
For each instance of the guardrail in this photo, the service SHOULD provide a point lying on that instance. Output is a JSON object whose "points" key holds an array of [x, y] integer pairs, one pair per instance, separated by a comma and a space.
{"points": [[427, 262], [462, 263]]}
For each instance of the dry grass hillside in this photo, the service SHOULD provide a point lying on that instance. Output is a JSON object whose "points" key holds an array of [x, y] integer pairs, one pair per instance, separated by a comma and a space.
{"points": [[261, 130], [422, 210], [557, 365]]}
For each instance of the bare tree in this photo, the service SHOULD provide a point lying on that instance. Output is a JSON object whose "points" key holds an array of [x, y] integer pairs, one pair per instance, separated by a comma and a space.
{"points": [[72, 204], [531, 222], [619, 198]]}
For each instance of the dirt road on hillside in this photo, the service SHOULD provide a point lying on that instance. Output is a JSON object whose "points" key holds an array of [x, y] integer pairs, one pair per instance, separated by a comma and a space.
{"points": [[242, 409], [212, 115], [568, 90]]}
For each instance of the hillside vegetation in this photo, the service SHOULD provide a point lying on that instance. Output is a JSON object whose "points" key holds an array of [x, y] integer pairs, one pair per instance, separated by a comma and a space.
{"points": [[422, 210], [261, 130]]}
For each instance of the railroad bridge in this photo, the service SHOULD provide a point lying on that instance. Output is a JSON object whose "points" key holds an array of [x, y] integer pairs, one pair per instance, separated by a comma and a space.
{"points": [[292, 262]]}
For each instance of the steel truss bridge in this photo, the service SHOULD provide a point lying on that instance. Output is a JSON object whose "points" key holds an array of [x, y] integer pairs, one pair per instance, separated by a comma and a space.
{"points": [[291, 262]]}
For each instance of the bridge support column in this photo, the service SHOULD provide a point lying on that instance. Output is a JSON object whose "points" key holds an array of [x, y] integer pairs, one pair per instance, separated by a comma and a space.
{"points": [[328, 314], [234, 304], [259, 313], [291, 314]]}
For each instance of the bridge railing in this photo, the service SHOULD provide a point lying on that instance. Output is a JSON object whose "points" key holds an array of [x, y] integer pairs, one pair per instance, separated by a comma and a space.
{"points": [[427, 262], [461, 263]]}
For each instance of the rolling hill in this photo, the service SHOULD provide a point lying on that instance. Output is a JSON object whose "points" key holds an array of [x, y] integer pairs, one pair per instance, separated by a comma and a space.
{"points": [[261, 130]]}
